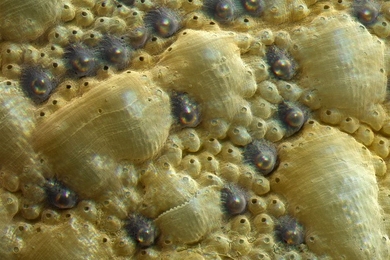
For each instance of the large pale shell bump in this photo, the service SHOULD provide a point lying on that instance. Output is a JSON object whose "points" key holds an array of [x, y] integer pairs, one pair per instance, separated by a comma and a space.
{"points": [[348, 71], [338, 194], [190, 222], [128, 118], [27, 20], [222, 79]]}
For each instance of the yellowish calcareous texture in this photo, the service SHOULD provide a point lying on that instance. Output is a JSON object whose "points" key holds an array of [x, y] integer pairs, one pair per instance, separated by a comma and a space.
{"points": [[113, 137]]}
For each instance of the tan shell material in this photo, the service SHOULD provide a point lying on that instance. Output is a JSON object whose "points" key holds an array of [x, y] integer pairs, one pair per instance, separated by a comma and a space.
{"points": [[73, 240], [192, 221], [24, 20], [280, 11], [177, 189], [348, 71], [109, 137], [17, 124], [222, 78], [116, 113], [338, 193]]}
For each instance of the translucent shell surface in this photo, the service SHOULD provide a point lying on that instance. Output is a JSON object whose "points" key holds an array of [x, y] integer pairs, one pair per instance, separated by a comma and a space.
{"points": [[177, 189], [65, 241], [353, 59], [128, 118], [338, 194], [223, 77], [27, 20], [193, 220], [17, 123]]}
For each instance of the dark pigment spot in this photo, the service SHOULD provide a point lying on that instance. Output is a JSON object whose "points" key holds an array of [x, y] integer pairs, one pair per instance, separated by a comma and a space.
{"points": [[366, 11], [36, 83], [141, 229], [262, 155], [289, 231], [233, 200], [222, 10], [282, 65], [253, 7], [59, 196], [185, 110], [81, 60], [291, 117], [164, 22], [114, 51]]}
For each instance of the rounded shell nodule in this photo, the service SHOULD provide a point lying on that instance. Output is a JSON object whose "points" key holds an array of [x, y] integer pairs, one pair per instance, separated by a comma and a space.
{"points": [[189, 129]]}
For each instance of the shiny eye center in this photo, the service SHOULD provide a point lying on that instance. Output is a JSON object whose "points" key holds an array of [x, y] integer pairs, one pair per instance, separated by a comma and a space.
{"points": [[164, 21], [237, 204], [282, 68], [368, 14], [252, 5], [145, 236], [291, 237], [82, 64], [63, 197], [185, 110], [187, 117], [115, 54], [294, 118], [264, 161], [60, 196], [233, 200], [39, 86], [165, 27], [224, 10]]}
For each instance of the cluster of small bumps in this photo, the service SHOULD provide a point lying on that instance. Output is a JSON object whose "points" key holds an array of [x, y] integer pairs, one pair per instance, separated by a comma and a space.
{"points": [[141, 129]]}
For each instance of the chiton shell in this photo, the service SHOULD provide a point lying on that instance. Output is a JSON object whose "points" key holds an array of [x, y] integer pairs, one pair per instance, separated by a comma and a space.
{"points": [[194, 219], [223, 79], [334, 176], [129, 119], [348, 72]]}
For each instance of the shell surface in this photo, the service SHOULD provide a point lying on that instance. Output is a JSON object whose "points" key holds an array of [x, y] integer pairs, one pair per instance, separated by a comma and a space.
{"points": [[217, 89], [338, 180], [346, 47], [169, 115], [17, 122], [203, 213], [27, 20], [117, 112]]}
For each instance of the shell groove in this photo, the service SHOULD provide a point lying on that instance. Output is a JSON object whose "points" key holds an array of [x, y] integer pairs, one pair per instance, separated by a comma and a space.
{"points": [[128, 119], [338, 193]]}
